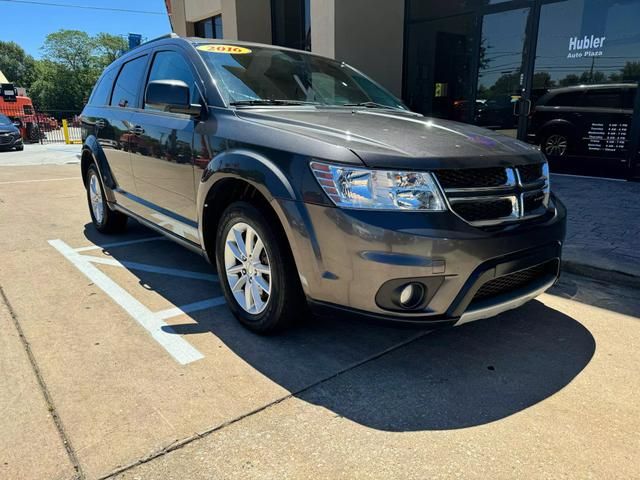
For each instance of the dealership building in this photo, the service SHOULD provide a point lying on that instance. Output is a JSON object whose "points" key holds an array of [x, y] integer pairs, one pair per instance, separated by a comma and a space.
{"points": [[486, 62]]}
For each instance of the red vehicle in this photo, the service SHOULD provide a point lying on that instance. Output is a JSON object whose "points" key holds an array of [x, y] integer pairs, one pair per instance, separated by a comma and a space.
{"points": [[20, 110]]}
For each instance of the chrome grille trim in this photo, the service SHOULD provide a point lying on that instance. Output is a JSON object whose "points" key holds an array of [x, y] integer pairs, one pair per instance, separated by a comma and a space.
{"points": [[513, 190]]}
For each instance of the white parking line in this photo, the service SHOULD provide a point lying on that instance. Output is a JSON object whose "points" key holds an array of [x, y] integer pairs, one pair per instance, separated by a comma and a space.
{"points": [[119, 244], [191, 307], [181, 350], [41, 180]]}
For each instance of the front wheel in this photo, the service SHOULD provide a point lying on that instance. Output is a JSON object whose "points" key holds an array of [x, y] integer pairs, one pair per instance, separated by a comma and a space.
{"points": [[256, 270], [104, 219]]}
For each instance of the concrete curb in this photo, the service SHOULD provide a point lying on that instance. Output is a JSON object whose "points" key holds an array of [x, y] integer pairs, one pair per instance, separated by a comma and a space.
{"points": [[601, 274]]}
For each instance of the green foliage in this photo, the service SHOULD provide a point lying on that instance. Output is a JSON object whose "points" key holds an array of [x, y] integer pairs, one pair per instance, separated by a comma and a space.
{"points": [[72, 62], [108, 47], [17, 66]]}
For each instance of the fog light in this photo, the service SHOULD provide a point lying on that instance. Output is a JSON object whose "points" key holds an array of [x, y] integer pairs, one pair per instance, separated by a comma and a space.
{"points": [[411, 295]]}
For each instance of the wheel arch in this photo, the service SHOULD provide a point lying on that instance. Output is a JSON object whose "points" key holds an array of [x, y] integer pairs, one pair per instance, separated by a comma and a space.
{"points": [[557, 124], [92, 153], [241, 175]]}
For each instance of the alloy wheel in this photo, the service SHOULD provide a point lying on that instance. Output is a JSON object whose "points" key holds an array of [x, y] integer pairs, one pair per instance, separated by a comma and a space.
{"points": [[248, 268], [95, 196], [556, 145]]}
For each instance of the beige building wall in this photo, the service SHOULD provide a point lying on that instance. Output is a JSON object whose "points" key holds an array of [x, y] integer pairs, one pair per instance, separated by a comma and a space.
{"points": [[368, 34], [323, 19], [253, 20], [248, 20]]}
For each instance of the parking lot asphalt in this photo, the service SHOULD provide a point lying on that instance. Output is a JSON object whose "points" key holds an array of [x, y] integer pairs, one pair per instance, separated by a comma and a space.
{"points": [[119, 359]]}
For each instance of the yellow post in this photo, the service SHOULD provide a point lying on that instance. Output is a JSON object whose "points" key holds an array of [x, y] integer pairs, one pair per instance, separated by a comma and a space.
{"points": [[65, 131]]}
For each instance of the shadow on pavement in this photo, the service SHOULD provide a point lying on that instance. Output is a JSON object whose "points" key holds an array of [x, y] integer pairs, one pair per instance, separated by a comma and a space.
{"points": [[447, 379]]}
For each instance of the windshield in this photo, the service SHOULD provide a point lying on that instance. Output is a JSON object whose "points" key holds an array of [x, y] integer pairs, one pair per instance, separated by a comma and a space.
{"points": [[259, 76], [5, 120]]}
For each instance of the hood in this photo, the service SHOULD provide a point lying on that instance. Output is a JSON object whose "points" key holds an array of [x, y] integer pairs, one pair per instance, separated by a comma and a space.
{"points": [[398, 140], [8, 129]]}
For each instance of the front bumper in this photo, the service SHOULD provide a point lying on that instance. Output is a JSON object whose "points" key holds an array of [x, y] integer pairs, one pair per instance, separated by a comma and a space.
{"points": [[7, 142], [345, 257]]}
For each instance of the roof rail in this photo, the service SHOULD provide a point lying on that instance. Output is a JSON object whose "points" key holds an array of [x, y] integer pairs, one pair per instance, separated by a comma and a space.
{"points": [[161, 37]]}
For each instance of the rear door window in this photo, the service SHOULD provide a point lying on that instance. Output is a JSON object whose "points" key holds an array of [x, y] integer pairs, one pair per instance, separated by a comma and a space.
{"points": [[127, 87], [102, 90], [603, 98]]}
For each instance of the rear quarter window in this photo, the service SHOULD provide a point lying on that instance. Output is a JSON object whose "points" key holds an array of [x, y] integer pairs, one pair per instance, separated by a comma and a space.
{"points": [[629, 99], [102, 90], [603, 98], [568, 99]]}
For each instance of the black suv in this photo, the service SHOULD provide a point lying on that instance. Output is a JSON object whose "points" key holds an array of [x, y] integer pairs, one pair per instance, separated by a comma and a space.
{"points": [[9, 135], [585, 121], [310, 185]]}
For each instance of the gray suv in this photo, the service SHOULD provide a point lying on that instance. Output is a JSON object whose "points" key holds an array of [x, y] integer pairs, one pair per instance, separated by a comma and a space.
{"points": [[311, 186]]}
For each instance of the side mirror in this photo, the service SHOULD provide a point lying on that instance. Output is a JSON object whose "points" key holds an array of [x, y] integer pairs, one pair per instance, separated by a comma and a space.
{"points": [[17, 124], [170, 96]]}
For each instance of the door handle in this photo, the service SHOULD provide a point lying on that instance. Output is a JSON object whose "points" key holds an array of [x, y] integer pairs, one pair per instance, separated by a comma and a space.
{"points": [[137, 130], [100, 123]]}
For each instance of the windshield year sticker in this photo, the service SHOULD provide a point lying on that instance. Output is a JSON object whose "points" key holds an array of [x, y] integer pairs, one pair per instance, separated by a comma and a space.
{"points": [[232, 49]]}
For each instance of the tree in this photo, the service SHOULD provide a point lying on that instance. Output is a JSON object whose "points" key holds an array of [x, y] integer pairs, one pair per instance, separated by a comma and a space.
{"points": [[16, 64], [108, 48], [631, 72], [71, 48], [71, 64]]}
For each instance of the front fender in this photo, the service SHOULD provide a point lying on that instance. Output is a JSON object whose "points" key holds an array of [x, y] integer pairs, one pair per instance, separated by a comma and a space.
{"points": [[252, 167], [282, 196]]}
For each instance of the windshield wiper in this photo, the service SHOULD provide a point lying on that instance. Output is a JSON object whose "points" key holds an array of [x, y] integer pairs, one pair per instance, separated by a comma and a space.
{"points": [[271, 101], [372, 105]]}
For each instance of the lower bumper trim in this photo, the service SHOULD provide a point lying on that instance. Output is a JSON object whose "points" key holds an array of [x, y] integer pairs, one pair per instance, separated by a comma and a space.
{"points": [[493, 310]]}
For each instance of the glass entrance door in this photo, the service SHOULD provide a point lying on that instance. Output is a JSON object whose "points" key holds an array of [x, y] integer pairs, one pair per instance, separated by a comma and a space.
{"points": [[499, 103], [584, 85]]}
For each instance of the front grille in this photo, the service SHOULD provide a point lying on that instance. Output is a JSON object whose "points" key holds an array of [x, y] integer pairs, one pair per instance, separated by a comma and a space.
{"points": [[6, 139], [515, 281], [485, 197], [532, 201], [472, 177], [530, 173], [475, 211]]}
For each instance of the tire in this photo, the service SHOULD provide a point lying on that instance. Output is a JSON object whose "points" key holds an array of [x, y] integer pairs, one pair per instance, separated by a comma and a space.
{"points": [[19, 148], [555, 144], [104, 219], [261, 310], [33, 132]]}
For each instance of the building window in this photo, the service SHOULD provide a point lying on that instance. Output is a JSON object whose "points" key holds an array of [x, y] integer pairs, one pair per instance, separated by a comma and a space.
{"points": [[209, 27], [291, 23]]}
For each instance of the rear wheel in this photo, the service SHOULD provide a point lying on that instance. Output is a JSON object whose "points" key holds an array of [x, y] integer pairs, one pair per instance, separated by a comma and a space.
{"points": [[555, 144], [104, 219], [256, 270]]}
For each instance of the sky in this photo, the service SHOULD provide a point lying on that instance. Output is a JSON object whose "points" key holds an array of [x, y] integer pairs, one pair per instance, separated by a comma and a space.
{"points": [[28, 24]]}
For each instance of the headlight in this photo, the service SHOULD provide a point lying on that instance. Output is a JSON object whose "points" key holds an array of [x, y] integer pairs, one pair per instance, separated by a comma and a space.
{"points": [[378, 189]]}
